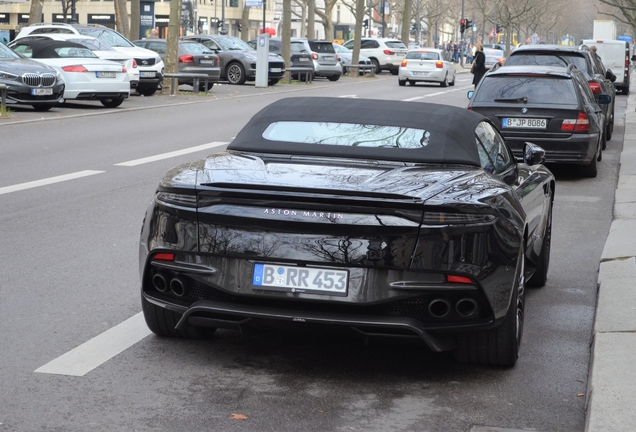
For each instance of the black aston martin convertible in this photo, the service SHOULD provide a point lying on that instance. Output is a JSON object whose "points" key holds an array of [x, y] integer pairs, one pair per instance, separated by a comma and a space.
{"points": [[388, 218]]}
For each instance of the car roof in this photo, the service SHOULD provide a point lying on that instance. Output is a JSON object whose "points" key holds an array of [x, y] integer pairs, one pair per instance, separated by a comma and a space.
{"points": [[46, 48], [437, 50], [564, 72], [451, 129], [549, 48]]}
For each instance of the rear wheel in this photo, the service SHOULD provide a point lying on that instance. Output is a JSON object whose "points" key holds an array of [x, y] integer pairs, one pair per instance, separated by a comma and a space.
{"points": [[333, 77], [394, 71], [540, 276], [608, 133], [498, 346], [203, 88], [376, 65], [162, 322], [43, 107], [591, 170], [112, 102], [402, 83], [236, 74], [147, 91], [445, 82], [625, 90], [452, 83], [272, 82]]}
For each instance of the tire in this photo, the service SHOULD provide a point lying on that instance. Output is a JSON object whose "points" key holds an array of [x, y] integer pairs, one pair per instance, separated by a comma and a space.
{"points": [[394, 71], [272, 82], [43, 108], [540, 276], [498, 346], [452, 83], [608, 133], [148, 91], [625, 90], [202, 87], [376, 64], [445, 82], [402, 83], [591, 170], [235, 74], [333, 78], [112, 103], [162, 322]]}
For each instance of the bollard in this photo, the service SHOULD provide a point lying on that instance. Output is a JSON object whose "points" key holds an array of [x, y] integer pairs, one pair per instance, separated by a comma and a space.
{"points": [[3, 96]]}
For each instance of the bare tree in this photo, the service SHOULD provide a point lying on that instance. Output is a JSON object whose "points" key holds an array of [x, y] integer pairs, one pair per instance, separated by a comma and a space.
{"points": [[245, 23], [174, 27], [325, 17], [35, 13], [135, 15], [623, 11], [121, 17]]}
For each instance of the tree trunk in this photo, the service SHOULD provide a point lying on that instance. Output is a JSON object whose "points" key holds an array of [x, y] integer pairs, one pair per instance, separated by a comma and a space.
{"points": [[355, 57], [35, 13], [286, 33], [245, 23], [135, 16], [311, 19], [121, 17], [406, 22], [170, 60]]}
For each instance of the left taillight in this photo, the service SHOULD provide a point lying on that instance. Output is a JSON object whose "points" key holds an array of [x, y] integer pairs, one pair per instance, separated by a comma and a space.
{"points": [[178, 199], [404, 63], [187, 58], [596, 87], [75, 68], [439, 64], [444, 218], [389, 52], [580, 124]]}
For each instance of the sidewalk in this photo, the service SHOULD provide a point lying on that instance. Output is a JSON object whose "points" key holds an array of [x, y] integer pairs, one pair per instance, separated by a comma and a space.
{"points": [[612, 378]]}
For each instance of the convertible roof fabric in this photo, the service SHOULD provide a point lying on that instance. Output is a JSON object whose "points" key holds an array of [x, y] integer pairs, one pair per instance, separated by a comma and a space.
{"points": [[45, 48], [452, 129]]}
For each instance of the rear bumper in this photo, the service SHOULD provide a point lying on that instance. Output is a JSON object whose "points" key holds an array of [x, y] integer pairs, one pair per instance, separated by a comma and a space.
{"points": [[424, 76], [576, 149]]}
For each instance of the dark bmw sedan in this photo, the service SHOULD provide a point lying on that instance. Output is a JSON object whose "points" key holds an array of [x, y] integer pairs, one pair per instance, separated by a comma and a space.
{"points": [[29, 82], [377, 217], [549, 106]]}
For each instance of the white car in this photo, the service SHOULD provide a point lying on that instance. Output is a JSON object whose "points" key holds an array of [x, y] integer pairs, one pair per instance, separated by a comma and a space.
{"points": [[427, 65], [346, 55], [149, 63], [384, 53], [87, 77], [101, 50]]}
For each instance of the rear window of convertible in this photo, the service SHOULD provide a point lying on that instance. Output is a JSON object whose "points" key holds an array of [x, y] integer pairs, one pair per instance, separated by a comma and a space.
{"points": [[528, 89], [347, 134]]}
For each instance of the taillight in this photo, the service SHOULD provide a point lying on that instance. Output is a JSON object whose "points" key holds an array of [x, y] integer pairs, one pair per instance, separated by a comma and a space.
{"points": [[388, 52], [581, 124], [458, 279], [187, 58], [338, 57], [314, 56], [501, 60], [439, 64], [164, 257], [404, 63], [134, 63], [596, 87], [124, 70], [76, 68]]}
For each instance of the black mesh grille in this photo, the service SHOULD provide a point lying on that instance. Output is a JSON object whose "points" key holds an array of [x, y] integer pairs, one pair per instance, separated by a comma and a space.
{"points": [[145, 61], [37, 80]]}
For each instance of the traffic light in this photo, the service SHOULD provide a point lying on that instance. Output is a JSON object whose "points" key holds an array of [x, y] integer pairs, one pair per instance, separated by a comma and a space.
{"points": [[365, 23], [497, 28], [462, 25], [469, 24]]}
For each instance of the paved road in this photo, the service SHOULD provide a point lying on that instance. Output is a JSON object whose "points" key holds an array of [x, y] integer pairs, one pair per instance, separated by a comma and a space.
{"points": [[69, 274]]}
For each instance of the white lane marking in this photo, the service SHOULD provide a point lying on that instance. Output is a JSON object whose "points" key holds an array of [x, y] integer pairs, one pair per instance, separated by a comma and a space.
{"points": [[91, 354], [413, 98], [435, 94], [171, 154], [348, 96], [47, 181]]}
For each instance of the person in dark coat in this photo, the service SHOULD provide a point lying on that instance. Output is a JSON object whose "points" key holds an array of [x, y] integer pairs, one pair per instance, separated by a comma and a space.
{"points": [[479, 64]]}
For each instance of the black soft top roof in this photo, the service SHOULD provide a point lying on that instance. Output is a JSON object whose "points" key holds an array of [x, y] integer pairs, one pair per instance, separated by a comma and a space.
{"points": [[45, 48], [452, 129]]}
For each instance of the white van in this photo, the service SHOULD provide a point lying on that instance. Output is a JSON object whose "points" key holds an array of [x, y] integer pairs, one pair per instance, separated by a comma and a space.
{"points": [[616, 57]]}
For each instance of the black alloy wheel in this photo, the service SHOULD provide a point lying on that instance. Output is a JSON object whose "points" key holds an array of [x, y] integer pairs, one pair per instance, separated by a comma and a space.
{"points": [[376, 65], [235, 74], [112, 102]]}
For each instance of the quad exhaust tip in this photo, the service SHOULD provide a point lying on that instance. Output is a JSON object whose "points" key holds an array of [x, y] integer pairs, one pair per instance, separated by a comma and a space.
{"points": [[466, 307], [439, 308], [159, 282], [178, 287]]}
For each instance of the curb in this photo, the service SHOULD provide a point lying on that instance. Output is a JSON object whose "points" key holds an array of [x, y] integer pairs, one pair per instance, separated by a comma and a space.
{"points": [[612, 375]]}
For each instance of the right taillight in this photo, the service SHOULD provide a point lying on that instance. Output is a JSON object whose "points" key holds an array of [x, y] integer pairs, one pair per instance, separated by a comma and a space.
{"points": [[314, 56], [580, 124], [404, 63], [596, 87]]}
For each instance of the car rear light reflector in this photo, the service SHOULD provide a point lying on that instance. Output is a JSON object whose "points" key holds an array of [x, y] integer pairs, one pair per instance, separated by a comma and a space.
{"points": [[404, 63], [76, 68], [187, 58], [124, 70], [581, 124], [134, 63], [388, 52], [442, 218], [314, 56], [182, 200], [164, 257], [596, 87], [439, 64], [458, 279]]}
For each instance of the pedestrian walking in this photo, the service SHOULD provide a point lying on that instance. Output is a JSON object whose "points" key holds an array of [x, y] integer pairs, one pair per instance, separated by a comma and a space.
{"points": [[479, 65]]}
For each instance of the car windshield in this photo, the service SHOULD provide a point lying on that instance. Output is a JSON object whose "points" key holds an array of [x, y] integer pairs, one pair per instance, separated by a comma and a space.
{"points": [[422, 55], [233, 44], [93, 44], [322, 47], [7, 53], [341, 49], [109, 37], [347, 134], [549, 59], [395, 44], [195, 48], [297, 47], [528, 89]]}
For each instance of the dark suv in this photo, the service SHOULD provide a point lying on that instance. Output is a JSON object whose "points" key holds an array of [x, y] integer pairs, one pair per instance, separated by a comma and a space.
{"points": [[599, 78], [552, 107]]}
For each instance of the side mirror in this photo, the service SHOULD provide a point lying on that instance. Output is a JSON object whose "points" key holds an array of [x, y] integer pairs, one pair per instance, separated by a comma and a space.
{"points": [[604, 99], [610, 75], [533, 154], [470, 94], [634, 57]]}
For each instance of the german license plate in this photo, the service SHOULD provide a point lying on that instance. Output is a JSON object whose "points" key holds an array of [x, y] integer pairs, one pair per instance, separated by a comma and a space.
{"points": [[41, 91], [105, 74], [206, 61], [274, 70], [300, 279], [303, 59], [327, 58], [527, 123], [146, 74]]}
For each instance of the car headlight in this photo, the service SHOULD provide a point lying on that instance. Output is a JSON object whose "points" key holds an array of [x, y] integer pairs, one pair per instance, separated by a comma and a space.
{"points": [[157, 60], [8, 76], [59, 78]]}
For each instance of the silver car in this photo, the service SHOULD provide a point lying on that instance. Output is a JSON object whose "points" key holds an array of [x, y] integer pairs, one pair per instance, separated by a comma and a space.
{"points": [[326, 61], [427, 65], [346, 55]]}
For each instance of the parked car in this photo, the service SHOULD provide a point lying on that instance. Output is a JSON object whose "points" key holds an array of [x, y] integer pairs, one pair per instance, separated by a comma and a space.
{"points": [[615, 55], [299, 56], [346, 56], [493, 56], [87, 77], [193, 58], [384, 53], [427, 65], [551, 106], [29, 82], [101, 50], [379, 217], [149, 64], [326, 61], [238, 59], [598, 77]]}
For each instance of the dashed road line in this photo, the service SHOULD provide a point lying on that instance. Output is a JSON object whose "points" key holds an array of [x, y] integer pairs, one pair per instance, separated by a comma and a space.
{"points": [[100, 349], [171, 154], [47, 181]]}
